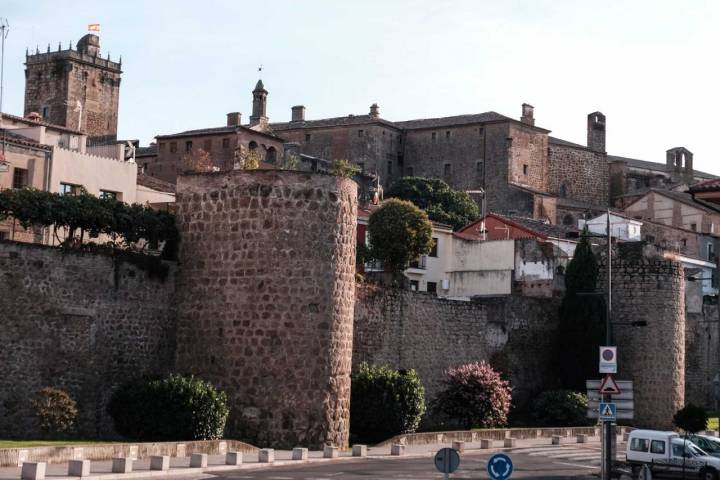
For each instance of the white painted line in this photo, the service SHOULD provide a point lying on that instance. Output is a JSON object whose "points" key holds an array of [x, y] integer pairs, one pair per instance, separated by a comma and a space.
{"points": [[575, 465]]}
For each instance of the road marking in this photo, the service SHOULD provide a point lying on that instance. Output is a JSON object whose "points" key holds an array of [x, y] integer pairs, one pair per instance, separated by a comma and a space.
{"points": [[550, 453], [575, 465]]}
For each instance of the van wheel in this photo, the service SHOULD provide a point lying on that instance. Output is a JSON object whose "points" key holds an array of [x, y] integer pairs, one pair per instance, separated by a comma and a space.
{"points": [[708, 474], [636, 471]]}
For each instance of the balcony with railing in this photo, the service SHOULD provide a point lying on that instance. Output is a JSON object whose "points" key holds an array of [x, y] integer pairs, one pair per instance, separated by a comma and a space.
{"points": [[419, 264]]}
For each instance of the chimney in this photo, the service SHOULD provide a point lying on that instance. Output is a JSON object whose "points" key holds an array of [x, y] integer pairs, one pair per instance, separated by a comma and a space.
{"points": [[298, 113], [374, 110], [596, 132], [527, 114], [234, 119]]}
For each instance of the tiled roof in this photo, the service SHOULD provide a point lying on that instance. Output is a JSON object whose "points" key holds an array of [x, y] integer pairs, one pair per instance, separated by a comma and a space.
{"points": [[685, 198], [538, 227], [155, 183], [661, 167], [41, 123], [454, 120], [216, 130], [17, 139], [331, 122], [711, 185], [564, 143], [146, 151]]}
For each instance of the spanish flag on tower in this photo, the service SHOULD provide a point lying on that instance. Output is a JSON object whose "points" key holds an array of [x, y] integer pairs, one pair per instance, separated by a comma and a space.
{"points": [[94, 27]]}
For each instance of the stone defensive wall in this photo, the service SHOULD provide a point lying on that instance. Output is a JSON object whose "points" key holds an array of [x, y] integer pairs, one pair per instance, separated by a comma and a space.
{"points": [[266, 298], [81, 322]]}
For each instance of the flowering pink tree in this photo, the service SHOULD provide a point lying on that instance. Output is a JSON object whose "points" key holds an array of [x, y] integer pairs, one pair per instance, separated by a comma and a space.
{"points": [[475, 395]]}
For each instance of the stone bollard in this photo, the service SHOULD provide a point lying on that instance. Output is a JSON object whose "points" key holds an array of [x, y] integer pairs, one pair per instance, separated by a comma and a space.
{"points": [[510, 442], [222, 448], [459, 446], [233, 458], [77, 453], [330, 452], [133, 452], [33, 471], [22, 457], [359, 451], [397, 449], [300, 453], [486, 443], [582, 438], [122, 465], [181, 450], [78, 468], [556, 439], [266, 455], [160, 462], [198, 460]]}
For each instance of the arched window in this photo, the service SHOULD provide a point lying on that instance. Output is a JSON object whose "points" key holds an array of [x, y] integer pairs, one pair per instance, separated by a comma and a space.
{"points": [[271, 156], [568, 220], [252, 146], [563, 191]]}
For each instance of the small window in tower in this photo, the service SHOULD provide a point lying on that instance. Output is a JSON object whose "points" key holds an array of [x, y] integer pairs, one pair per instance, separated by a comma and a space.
{"points": [[479, 167], [188, 145], [480, 131], [360, 133], [684, 242], [173, 147], [207, 145], [162, 146], [525, 169], [447, 135], [226, 143], [693, 227], [433, 136], [399, 139], [307, 137], [45, 113], [447, 170]]}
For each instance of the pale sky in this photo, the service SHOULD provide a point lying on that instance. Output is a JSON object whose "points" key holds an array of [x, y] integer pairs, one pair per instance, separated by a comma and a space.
{"points": [[650, 66]]}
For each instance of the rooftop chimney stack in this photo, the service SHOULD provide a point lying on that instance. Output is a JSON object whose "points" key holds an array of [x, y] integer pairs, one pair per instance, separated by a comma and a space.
{"points": [[374, 110], [596, 132], [298, 113], [234, 119], [527, 114]]}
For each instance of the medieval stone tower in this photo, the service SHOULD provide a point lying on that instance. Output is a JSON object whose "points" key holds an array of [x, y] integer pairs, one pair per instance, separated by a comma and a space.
{"points": [[259, 110], [75, 88]]}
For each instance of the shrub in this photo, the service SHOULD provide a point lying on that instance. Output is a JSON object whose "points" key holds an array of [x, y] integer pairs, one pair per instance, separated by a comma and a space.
{"points": [[691, 418], [475, 395], [385, 402], [54, 409], [174, 407], [343, 168], [561, 408]]}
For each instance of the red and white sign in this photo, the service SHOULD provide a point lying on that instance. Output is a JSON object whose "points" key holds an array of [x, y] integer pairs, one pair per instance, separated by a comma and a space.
{"points": [[608, 386]]}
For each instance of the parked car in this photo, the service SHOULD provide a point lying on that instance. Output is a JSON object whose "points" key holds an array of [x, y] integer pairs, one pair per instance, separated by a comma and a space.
{"points": [[669, 455], [708, 444]]}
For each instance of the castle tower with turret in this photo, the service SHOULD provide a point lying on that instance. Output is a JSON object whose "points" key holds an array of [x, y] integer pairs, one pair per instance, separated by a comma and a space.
{"points": [[75, 88]]}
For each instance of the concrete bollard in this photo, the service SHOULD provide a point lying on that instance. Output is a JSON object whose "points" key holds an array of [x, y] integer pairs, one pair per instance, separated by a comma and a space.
{"points": [[233, 458], [459, 446], [300, 453], [330, 452], [33, 471], [22, 457], [556, 439], [222, 448], [397, 449], [486, 443], [78, 468], [122, 465], [510, 442], [359, 451], [160, 462], [77, 453], [181, 450], [199, 460], [582, 438], [266, 455], [133, 452]]}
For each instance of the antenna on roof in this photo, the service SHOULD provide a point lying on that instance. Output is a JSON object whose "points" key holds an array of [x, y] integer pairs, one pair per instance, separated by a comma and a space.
{"points": [[4, 30]]}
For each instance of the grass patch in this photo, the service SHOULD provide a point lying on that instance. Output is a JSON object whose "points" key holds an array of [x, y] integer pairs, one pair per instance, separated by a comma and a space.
{"points": [[45, 443]]}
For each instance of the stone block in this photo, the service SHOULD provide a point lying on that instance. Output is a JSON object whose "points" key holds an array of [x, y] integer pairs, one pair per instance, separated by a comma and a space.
{"points": [[233, 458], [33, 471], [510, 442], [486, 443], [78, 453], [160, 462], [582, 438], [222, 448], [199, 460], [181, 450], [459, 446], [122, 465], [359, 451], [266, 455], [397, 449], [133, 452], [22, 457], [330, 452], [78, 468], [556, 439], [300, 453]]}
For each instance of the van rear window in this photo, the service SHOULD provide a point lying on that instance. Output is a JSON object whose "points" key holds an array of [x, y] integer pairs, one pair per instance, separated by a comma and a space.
{"points": [[639, 445], [657, 446]]}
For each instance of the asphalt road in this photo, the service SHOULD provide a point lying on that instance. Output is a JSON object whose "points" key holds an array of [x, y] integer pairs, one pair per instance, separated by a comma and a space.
{"points": [[528, 463]]}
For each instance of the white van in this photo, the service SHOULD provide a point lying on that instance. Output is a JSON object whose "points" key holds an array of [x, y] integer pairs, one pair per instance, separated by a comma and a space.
{"points": [[669, 455]]}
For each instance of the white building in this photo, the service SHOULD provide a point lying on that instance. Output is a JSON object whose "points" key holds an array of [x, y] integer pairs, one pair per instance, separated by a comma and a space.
{"points": [[621, 227]]}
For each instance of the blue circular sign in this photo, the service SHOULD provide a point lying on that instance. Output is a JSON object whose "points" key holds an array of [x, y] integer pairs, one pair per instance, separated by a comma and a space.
{"points": [[499, 467]]}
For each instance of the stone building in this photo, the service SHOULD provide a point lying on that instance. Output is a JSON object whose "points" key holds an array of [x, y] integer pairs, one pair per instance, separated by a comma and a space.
{"points": [[75, 88]]}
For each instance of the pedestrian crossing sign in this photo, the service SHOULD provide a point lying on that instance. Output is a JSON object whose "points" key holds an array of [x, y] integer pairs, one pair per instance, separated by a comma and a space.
{"points": [[607, 411]]}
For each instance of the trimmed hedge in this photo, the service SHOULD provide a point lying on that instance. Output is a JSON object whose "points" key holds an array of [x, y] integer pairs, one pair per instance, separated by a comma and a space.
{"points": [[561, 408], [385, 402], [174, 407]]}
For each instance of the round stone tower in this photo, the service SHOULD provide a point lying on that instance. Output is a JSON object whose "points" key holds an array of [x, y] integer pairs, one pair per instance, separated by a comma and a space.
{"points": [[266, 297]]}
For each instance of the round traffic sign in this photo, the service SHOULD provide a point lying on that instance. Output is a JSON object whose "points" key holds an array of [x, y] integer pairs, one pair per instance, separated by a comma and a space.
{"points": [[499, 467], [608, 355], [447, 460]]}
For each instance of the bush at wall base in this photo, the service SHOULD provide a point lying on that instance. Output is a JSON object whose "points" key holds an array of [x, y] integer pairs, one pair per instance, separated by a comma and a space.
{"points": [[561, 408], [174, 407], [384, 402]]}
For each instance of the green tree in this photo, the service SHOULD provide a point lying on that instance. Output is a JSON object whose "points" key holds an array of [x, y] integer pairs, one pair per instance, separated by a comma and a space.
{"points": [[441, 202], [691, 418], [582, 320], [399, 233]]}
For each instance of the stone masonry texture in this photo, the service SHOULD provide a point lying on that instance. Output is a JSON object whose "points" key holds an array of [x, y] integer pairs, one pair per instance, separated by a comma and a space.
{"points": [[266, 297], [79, 322]]}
